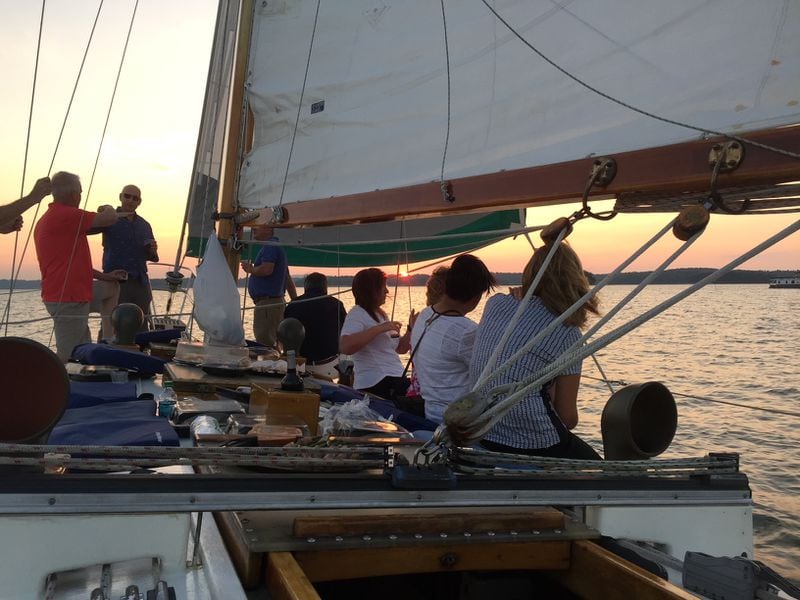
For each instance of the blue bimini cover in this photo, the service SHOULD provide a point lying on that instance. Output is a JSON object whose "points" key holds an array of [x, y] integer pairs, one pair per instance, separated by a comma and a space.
{"points": [[103, 354], [88, 393]]}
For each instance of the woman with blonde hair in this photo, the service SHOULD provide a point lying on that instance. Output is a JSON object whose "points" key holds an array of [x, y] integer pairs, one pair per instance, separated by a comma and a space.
{"points": [[373, 340], [540, 423]]}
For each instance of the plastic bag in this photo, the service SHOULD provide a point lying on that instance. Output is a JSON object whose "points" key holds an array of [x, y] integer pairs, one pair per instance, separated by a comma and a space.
{"points": [[216, 306], [356, 418]]}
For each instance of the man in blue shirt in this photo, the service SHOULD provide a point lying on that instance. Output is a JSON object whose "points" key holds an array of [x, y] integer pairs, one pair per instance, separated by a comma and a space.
{"points": [[269, 282], [128, 245]]}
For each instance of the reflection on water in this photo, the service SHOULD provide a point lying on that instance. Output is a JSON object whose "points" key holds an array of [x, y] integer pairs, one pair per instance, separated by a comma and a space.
{"points": [[726, 342]]}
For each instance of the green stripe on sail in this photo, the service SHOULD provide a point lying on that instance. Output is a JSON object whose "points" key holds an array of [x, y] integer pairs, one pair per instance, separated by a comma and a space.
{"points": [[196, 246], [372, 254], [377, 253]]}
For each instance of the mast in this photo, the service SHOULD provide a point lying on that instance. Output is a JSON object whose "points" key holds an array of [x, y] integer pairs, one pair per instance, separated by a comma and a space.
{"points": [[235, 129]]}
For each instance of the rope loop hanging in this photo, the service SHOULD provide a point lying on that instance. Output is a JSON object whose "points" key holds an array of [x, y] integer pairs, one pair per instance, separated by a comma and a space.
{"points": [[603, 172]]}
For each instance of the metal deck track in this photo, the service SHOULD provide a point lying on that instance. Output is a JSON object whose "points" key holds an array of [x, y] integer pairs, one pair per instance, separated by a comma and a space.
{"points": [[32, 493]]}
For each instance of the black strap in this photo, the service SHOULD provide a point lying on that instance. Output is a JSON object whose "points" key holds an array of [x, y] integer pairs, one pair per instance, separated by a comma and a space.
{"points": [[449, 313]]}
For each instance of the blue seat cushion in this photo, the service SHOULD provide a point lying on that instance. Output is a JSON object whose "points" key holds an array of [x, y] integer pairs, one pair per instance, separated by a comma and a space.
{"points": [[103, 354], [111, 431], [85, 393], [132, 409]]}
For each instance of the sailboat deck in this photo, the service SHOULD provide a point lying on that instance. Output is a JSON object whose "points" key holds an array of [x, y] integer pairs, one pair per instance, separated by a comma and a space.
{"points": [[292, 551]]}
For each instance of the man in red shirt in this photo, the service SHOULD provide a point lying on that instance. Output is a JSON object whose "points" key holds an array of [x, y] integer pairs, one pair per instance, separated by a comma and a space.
{"points": [[66, 262]]}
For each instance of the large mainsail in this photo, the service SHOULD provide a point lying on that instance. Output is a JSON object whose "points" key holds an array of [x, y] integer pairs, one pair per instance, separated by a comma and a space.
{"points": [[374, 112], [348, 100]]}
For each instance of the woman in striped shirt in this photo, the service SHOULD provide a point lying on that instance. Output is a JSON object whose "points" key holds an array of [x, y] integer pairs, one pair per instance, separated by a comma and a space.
{"points": [[540, 423]]}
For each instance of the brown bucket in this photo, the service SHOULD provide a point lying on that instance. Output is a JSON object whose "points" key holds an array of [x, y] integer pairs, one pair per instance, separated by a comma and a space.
{"points": [[639, 421]]}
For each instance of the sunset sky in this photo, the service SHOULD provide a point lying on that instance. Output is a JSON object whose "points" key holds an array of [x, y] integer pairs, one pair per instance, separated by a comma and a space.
{"points": [[152, 131]]}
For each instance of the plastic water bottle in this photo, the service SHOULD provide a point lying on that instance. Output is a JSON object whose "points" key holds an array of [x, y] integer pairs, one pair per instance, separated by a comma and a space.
{"points": [[167, 399]]}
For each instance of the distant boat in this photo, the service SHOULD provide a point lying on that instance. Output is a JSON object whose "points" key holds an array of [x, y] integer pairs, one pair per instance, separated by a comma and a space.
{"points": [[792, 281]]}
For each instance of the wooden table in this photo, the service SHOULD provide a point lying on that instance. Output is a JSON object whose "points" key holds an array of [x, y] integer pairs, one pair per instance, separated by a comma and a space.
{"points": [[194, 380]]}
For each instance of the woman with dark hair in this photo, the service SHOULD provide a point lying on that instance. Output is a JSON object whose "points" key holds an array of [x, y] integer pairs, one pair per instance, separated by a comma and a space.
{"points": [[443, 335], [374, 341], [540, 423]]}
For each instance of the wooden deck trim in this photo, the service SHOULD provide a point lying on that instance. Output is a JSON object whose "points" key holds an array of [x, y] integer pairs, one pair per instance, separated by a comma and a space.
{"points": [[286, 580], [313, 526], [596, 573], [326, 565], [248, 564]]}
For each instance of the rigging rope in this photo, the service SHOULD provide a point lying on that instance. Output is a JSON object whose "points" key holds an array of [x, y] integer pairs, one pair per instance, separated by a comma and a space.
{"points": [[497, 410], [622, 382], [99, 150], [55, 151], [217, 102], [100, 145], [332, 457], [299, 104], [489, 367], [636, 290], [396, 285], [619, 102], [607, 381], [111, 104], [442, 184], [483, 381], [12, 282]]}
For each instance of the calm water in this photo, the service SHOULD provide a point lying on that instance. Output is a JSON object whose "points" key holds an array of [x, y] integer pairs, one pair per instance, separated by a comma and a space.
{"points": [[727, 342]]}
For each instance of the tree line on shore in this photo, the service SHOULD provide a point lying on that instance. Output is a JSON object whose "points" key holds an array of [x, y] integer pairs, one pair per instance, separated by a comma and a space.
{"points": [[684, 276]]}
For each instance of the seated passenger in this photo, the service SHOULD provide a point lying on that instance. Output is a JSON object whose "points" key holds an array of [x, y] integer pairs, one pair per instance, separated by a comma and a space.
{"points": [[540, 423], [373, 340], [443, 337], [434, 289], [322, 316]]}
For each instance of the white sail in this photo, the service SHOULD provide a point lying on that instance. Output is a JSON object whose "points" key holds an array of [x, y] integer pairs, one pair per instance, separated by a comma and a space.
{"points": [[374, 103], [204, 190]]}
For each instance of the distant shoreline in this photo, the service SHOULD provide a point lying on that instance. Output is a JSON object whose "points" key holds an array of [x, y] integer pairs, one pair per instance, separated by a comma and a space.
{"points": [[670, 277]]}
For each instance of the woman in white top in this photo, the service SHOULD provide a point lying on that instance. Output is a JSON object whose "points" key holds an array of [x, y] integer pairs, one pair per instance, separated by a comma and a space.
{"points": [[443, 336], [374, 341]]}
